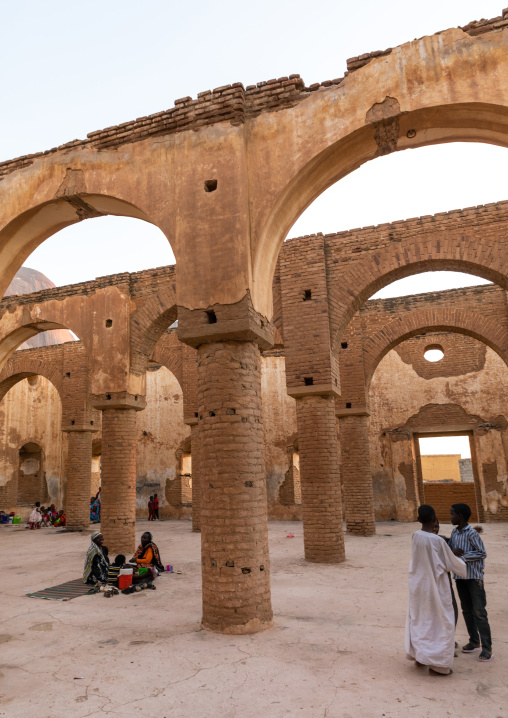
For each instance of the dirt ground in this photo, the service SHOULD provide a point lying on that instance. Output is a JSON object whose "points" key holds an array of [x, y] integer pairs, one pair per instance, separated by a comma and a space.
{"points": [[336, 649]]}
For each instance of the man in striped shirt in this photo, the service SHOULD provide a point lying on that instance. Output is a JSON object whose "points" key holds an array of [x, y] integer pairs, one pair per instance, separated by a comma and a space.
{"points": [[466, 543]]}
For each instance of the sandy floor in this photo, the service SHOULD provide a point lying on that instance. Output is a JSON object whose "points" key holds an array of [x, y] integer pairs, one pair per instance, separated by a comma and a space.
{"points": [[336, 649]]}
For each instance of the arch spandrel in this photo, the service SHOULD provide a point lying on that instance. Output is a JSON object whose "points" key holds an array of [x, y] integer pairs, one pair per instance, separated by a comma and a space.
{"points": [[460, 321]]}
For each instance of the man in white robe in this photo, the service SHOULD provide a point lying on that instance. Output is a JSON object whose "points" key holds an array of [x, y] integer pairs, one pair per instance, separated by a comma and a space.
{"points": [[430, 624]]}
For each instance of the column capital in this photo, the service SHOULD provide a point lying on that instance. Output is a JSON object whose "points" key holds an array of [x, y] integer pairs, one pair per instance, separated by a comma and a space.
{"points": [[359, 411], [238, 322], [81, 427], [118, 400], [312, 390]]}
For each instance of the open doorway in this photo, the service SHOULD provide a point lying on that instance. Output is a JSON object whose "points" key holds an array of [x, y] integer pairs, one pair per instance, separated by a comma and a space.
{"points": [[447, 472]]}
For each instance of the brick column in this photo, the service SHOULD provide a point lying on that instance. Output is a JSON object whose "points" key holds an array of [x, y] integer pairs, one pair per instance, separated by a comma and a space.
{"points": [[78, 471], [196, 485], [319, 477], [234, 543], [118, 469], [357, 475]]}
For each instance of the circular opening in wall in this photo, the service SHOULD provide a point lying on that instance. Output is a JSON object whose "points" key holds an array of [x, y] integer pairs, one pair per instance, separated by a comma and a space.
{"points": [[433, 353], [33, 380]]}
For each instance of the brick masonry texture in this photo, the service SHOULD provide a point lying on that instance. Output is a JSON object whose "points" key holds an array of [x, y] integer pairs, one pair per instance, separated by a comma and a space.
{"points": [[79, 473], [441, 496], [320, 479], [118, 493], [357, 476], [234, 542]]}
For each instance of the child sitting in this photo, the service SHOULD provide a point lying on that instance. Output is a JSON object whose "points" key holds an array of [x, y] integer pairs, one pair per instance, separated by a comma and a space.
{"points": [[114, 570], [35, 517]]}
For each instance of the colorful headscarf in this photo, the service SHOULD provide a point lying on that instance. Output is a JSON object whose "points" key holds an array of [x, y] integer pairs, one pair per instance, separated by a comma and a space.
{"points": [[141, 551], [92, 552]]}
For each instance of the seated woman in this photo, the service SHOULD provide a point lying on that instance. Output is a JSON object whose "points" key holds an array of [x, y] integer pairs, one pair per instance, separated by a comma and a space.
{"points": [[96, 564], [60, 520], [53, 514], [147, 554]]}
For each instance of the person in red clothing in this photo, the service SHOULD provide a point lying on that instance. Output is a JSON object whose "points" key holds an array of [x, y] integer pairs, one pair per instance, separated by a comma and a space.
{"points": [[151, 509], [155, 507]]}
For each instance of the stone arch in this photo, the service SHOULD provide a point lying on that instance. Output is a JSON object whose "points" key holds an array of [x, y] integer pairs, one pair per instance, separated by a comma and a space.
{"points": [[431, 320], [460, 252], [147, 325], [19, 368], [169, 354], [433, 90], [35, 222]]}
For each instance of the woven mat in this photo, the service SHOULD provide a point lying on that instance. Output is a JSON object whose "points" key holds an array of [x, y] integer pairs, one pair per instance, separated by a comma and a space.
{"points": [[68, 590]]}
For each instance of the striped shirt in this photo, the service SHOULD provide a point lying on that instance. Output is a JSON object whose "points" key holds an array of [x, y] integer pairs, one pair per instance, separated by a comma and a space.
{"points": [[474, 551], [113, 573]]}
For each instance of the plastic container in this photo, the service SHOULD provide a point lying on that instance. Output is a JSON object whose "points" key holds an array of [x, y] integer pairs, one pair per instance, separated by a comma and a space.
{"points": [[4, 519], [124, 580], [142, 570], [126, 572], [16, 519]]}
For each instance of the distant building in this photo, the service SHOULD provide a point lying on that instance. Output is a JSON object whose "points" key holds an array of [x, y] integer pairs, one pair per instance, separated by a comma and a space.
{"points": [[441, 467], [466, 470]]}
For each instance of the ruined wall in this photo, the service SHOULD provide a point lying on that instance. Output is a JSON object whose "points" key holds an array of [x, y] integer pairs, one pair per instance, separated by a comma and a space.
{"points": [[465, 391], [279, 429], [30, 412], [161, 431]]}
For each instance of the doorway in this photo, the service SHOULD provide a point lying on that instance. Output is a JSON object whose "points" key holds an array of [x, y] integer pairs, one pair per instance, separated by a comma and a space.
{"points": [[447, 472]]}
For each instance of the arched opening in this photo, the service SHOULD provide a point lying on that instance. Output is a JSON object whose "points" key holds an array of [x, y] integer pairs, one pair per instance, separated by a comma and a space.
{"points": [[96, 466], [22, 237], [32, 485], [164, 463]]}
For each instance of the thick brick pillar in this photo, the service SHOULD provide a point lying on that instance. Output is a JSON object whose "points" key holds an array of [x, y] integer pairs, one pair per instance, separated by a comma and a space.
{"points": [[234, 540], [357, 475], [196, 477], [78, 473], [118, 480], [319, 475]]}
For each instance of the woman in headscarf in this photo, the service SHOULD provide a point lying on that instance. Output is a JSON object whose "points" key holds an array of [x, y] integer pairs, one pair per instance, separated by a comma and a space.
{"points": [[147, 554], [95, 510], [96, 565]]}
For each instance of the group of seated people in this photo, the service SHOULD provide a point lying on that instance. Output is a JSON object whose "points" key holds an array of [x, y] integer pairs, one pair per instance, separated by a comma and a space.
{"points": [[99, 571], [46, 516]]}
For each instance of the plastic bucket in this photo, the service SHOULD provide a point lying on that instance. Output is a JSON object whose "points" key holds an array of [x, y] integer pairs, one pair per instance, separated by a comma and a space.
{"points": [[16, 520], [124, 581], [142, 570]]}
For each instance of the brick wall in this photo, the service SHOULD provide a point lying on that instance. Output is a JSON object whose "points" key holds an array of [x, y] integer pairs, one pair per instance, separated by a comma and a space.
{"points": [[442, 495]]}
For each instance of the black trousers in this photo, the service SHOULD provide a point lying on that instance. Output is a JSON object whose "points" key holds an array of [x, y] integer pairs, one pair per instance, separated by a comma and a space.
{"points": [[473, 602]]}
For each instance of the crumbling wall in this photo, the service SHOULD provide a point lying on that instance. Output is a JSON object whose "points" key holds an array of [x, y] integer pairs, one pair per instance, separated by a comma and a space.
{"points": [[406, 398], [31, 411]]}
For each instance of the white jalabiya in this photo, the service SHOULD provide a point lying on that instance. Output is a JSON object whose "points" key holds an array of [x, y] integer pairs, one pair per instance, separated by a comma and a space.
{"points": [[430, 624]]}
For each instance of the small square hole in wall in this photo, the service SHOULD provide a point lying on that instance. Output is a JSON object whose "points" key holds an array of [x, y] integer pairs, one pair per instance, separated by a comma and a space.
{"points": [[343, 345], [348, 405], [68, 375], [210, 185], [109, 323], [307, 295], [308, 380], [212, 317]]}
